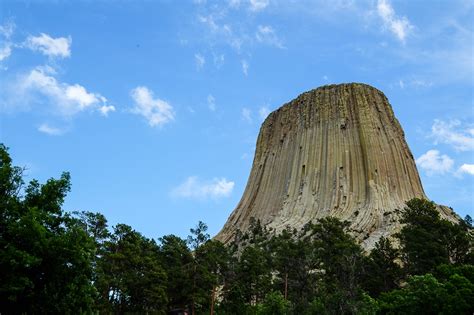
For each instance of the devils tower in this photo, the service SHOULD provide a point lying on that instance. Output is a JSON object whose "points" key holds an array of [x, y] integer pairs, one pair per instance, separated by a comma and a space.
{"points": [[337, 150]]}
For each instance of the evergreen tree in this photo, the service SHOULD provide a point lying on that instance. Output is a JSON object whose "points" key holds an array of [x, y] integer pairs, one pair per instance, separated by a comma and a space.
{"points": [[339, 266], [292, 259], [134, 280], [212, 260], [176, 258], [198, 237], [382, 269], [428, 241], [275, 304]]}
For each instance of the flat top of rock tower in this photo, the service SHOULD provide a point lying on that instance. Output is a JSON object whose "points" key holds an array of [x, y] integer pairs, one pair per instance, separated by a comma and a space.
{"points": [[342, 85], [352, 86]]}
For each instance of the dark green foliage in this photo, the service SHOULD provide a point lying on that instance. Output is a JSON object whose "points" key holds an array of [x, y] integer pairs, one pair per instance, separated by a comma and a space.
{"points": [[248, 278], [275, 304], [133, 279], [291, 258], [426, 295], [254, 273], [468, 221], [60, 262], [364, 305], [211, 260], [45, 254], [205, 270], [444, 272], [382, 272], [339, 266], [428, 241], [199, 293], [176, 258]]}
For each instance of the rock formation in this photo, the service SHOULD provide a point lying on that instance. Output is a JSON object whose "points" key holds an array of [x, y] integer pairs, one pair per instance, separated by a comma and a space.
{"points": [[336, 151]]}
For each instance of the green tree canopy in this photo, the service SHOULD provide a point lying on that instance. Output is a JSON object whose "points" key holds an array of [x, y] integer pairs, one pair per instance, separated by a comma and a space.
{"points": [[46, 256]]}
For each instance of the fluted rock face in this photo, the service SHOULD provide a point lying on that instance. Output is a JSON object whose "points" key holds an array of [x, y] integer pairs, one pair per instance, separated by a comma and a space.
{"points": [[334, 151]]}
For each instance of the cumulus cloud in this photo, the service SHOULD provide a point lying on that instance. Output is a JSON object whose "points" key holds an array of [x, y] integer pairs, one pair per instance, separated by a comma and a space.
{"points": [[211, 103], [263, 112], [195, 188], [200, 61], [432, 162], [246, 115], [258, 5], [156, 111], [466, 169], [52, 131], [49, 46], [454, 134], [40, 84], [399, 26], [266, 34]]}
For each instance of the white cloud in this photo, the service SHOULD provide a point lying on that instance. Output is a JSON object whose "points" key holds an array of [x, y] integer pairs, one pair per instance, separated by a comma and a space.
{"points": [[245, 67], [263, 112], [247, 115], [466, 169], [193, 187], [67, 99], [222, 32], [266, 34], [258, 5], [452, 133], [434, 163], [156, 111], [5, 51], [211, 102], [414, 83], [52, 131], [399, 26], [6, 31], [200, 61], [105, 109], [213, 26], [52, 47]]}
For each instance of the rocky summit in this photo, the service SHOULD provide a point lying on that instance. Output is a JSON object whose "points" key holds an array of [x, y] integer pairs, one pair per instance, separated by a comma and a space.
{"points": [[339, 151]]}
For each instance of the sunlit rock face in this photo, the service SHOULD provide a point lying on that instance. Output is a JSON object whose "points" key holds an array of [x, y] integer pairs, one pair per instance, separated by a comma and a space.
{"points": [[336, 151]]}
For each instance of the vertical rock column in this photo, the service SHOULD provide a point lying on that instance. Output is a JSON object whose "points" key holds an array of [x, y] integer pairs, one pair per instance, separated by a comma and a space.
{"points": [[337, 151]]}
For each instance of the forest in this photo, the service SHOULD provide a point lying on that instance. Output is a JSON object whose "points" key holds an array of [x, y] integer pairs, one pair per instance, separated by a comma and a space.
{"points": [[55, 261]]}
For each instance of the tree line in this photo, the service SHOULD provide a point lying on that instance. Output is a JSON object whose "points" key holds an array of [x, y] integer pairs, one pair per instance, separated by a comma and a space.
{"points": [[53, 261]]}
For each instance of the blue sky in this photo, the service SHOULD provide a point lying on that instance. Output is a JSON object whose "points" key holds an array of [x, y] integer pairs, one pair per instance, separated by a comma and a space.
{"points": [[154, 106]]}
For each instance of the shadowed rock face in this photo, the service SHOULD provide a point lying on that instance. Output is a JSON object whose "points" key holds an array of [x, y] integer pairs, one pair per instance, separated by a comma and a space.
{"points": [[336, 151]]}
